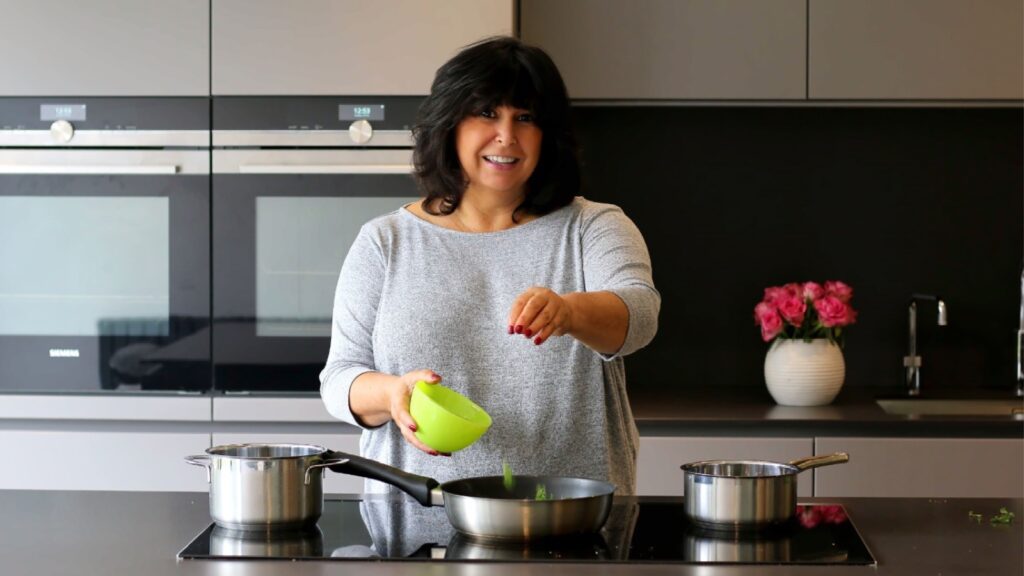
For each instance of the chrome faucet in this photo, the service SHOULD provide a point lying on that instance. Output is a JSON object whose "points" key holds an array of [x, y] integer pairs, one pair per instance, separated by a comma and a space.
{"points": [[912, 361], [1020, 340]]}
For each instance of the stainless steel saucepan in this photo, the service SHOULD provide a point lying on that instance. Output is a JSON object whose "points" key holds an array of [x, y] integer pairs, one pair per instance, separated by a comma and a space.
{"points": [[484, 508], [265, 486], [745, 494]]}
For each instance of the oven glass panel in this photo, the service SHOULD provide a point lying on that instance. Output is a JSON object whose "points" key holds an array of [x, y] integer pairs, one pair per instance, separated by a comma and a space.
{"points": [[301, 243], [82, 266]]}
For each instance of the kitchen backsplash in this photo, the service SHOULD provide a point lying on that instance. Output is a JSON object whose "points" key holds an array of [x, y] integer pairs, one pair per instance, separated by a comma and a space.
{"points": [[890, 200]]}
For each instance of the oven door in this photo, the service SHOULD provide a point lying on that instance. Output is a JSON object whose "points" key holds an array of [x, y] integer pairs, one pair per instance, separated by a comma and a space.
{"points": [[283, 222], [104, 270]]}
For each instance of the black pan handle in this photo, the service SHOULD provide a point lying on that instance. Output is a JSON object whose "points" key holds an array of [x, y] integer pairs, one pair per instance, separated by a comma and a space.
{"points": [[419, 487]]}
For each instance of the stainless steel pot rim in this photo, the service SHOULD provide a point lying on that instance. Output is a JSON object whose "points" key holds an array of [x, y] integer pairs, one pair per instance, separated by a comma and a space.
{"points": [[696, 468], [279, 451]]}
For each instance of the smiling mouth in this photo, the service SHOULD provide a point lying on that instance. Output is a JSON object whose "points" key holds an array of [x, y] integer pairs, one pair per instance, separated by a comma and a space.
{"points": [[501, 160]]}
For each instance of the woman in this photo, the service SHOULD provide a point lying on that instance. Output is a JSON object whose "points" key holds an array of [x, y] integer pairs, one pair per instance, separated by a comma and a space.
{"points": [[521, 295]]}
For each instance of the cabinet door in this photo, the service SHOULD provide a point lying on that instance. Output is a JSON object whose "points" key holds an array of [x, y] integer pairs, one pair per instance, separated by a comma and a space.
{"points": [[673, 49], [916, 49], [334, 483], [923, 467], [105, 48], [102, 460], [361, 47], [658, 462]]}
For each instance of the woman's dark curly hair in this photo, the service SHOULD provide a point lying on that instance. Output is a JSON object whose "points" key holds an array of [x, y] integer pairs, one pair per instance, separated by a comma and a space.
{"points": [[490, 73]]}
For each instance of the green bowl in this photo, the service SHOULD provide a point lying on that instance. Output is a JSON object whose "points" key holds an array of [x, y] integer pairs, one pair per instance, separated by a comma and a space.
{"points": [[446, 420]]}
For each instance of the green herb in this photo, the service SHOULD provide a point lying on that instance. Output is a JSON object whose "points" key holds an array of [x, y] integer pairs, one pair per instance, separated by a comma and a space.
{"points": [[542, 493], [1004, 517], [506, 470], [974, 516]]}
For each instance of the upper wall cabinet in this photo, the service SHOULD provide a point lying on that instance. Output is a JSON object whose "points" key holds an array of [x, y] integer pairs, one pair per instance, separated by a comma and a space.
{"points": [[673, 49], [916, 49], [331, 47], [105, 48]]}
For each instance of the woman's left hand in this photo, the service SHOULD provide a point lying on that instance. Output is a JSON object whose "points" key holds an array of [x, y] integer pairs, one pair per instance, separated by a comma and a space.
{"points": [[540, 313]]}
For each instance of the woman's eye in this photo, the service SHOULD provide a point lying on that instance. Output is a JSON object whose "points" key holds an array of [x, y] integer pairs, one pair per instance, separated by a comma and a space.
{"points": [[487, 113], [525, 117]]}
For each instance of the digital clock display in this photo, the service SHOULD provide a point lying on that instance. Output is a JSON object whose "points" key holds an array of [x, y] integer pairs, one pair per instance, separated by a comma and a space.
{"points": [[352, 112], [51, 112]]}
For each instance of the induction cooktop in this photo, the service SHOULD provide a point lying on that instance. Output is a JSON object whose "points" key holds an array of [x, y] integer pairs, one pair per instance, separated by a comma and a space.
{"points": [[637, 531]]}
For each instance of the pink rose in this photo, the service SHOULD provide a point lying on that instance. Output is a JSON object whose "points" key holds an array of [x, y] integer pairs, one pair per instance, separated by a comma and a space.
{"points": [[839, 290], [775, 294], [833, 312], [833, 514], [768, 318], [812, 290], [792, 310], [809, 516]]}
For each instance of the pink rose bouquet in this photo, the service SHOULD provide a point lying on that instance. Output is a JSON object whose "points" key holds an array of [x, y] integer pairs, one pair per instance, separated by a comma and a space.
{"points": [[805, 311]]}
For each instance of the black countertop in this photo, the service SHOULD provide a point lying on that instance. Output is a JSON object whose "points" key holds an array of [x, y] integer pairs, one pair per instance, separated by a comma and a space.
{"points": [[46, 533], [746, 411]]}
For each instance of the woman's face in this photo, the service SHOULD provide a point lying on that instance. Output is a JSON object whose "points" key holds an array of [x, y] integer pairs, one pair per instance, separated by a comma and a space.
{"points": [[499, 149]]}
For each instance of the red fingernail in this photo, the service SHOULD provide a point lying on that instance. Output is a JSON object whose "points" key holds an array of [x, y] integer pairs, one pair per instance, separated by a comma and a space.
{"points": [[537, 340], [434, 453], [511, 329], [519, 328], [448, 454], [412, 427], [528, 333]]}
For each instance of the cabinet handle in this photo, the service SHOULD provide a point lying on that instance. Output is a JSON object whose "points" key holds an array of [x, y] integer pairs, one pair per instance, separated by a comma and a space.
{"points": [[325, 169], [87, 169]]}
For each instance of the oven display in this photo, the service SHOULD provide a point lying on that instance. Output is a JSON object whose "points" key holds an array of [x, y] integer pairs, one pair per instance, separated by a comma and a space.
{"points": [[360, 112], [51, 112]]}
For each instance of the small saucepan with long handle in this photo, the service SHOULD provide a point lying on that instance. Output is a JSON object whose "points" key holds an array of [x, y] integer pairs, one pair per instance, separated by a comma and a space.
{"points": [[743, 495], [484, 508]]}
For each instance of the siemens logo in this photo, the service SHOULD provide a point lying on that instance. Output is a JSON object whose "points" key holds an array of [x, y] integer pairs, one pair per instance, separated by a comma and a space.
{"points": [[63, 353]]}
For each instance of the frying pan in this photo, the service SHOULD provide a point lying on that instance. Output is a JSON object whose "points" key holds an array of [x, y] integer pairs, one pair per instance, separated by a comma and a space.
{"points": [[483, 508], [743, 495]]}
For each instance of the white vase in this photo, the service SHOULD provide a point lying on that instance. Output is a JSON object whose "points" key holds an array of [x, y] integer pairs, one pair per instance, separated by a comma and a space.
{"points": [[802, 373]]}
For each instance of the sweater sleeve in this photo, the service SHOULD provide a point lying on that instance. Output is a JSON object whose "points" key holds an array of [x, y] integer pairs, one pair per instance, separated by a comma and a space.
{"points": [[355, 312], [615, 258]]}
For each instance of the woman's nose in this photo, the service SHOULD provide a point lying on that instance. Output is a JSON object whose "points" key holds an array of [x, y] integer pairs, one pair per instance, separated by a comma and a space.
{"points": [[505, 133]]}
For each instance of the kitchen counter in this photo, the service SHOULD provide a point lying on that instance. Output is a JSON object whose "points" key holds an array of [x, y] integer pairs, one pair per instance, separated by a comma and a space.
{"points": [[46, 533], [738, 411]]}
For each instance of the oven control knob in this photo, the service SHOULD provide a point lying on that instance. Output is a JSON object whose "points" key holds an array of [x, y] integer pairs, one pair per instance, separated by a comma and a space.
{"points": [[62, 131], [360, 131]]}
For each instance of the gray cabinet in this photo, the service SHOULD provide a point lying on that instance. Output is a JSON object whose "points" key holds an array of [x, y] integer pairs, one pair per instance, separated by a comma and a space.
{"points": [[916, 49], [64, 458], [363, 47], [673, 49], [104, 48], [658, 462], [923, 467]]}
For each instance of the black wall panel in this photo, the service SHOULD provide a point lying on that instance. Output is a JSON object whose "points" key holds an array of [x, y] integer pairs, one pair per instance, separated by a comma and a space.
{"points": [[890, 200]]}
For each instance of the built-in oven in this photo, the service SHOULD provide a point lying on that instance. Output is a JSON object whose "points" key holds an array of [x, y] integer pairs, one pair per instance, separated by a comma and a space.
{"points": [[104, 244], [294, 179]]}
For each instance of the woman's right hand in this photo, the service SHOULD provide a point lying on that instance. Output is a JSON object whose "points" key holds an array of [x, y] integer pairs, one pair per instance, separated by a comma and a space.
{"points": [[398, 403]]}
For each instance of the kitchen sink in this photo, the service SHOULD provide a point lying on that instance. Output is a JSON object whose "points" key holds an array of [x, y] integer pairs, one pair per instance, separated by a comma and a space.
{"points": [[954, 407]]}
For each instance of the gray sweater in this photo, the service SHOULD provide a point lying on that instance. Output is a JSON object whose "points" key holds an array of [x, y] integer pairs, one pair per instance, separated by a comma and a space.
{"points": [[414, 295]]}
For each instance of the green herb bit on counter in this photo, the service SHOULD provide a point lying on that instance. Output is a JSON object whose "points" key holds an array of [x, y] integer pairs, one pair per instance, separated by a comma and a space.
{"points": [[974, 516], [542, 493], [510, 482], [1004, 517]]}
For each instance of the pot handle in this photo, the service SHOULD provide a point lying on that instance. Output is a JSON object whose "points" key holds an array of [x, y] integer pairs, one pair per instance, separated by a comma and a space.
{"points": [[420, 488], [324, 464], [200, 460], [824, 460]]}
